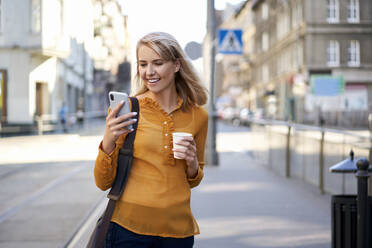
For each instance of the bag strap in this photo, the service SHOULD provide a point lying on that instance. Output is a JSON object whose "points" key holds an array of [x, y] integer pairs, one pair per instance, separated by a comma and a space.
{"points": [[122, 173], [125, 158]]}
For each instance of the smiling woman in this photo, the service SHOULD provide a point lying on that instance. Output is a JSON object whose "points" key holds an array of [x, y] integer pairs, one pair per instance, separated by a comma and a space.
{"points": [[161, 60], [156, 73], [154, 210]]}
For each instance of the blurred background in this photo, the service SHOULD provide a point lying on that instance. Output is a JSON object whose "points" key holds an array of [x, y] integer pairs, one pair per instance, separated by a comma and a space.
{"points": [[290, 85], [301, 60]]}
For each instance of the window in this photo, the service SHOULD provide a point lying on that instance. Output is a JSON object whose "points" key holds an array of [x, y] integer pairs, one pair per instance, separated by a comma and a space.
{"points": [[58, 19], [36, 16], [353, 53], [1, 15], [282, 25], [284, 62], [265, 41], [296, 14], [265, 11], [265, 73], [299, 55], [353, 11], [332, 11], [333, 53]]}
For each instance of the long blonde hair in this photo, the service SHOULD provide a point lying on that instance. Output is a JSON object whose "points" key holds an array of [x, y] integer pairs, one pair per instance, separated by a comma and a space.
{"points": [[187, 82]]}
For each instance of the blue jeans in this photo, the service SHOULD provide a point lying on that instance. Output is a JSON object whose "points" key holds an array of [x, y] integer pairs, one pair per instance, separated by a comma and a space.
{"points": [[118, 236]]}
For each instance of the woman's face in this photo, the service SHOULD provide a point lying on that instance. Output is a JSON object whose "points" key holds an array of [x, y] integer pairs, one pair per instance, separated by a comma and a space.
{"points": [[157, 73]]}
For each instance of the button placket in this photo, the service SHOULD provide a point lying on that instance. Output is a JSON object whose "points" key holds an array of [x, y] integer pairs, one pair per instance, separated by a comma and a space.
{"points": [[165, 130], [168, 128]]}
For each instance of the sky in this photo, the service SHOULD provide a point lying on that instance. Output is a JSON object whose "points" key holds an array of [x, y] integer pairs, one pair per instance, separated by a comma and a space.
{"points": [[184, 19]]}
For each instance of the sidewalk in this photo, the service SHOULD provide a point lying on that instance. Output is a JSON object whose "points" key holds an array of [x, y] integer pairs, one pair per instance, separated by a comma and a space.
{"points": [[242, 204], [239, 203]]}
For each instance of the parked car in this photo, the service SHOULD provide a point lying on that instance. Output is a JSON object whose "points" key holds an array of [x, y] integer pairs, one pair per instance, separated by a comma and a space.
{"points": [[231, 115], [259, 114], [245, 116]]}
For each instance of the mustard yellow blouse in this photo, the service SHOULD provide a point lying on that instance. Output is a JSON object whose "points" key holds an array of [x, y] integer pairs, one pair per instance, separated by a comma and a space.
{"points": [[156, 200]]}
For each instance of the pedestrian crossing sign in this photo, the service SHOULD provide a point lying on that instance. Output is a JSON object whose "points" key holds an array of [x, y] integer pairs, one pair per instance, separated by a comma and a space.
{"points": [[230, 41]]}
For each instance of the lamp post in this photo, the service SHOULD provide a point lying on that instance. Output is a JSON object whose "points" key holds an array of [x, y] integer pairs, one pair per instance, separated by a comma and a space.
{"points": [[362, 202], [370, 149], [212, 156]]}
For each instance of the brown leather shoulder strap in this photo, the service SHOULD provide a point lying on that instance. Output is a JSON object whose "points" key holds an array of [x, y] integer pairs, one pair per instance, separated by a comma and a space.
{"points": [[98, 238], [125, 158]]}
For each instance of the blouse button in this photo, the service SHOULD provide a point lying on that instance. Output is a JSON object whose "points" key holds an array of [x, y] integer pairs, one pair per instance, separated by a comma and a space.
{"points": [[166, 134], [165, 147], [165, 123]]}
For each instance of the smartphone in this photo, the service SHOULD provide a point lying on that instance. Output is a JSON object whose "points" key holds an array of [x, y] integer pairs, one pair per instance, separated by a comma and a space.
{"points": [[115, 98]]}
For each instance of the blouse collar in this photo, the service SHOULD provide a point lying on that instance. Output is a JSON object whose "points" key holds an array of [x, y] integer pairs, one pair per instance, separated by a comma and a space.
{"points": [[149, 102]]}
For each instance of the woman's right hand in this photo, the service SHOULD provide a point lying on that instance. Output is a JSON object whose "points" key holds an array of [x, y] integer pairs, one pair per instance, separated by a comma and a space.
{"points": [[115, 127]]}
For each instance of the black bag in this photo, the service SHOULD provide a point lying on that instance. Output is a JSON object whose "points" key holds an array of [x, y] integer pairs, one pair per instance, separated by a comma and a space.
{"points": [[98, 237]]}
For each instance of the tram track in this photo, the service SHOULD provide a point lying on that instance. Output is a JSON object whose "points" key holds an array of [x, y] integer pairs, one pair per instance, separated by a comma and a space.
{"points": [[10, 211]]}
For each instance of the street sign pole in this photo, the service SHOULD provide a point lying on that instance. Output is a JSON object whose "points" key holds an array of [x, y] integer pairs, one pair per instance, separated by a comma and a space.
{"points": [[212, 156]]}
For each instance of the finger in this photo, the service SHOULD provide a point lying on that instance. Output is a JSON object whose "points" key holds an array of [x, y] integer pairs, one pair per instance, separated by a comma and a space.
{"points": [[120, 119], [183, 143], [191, 151], [127, 116], [186, 146], [181, 155], [121, 132], [183, 150], [124, 124], [187, 138]]}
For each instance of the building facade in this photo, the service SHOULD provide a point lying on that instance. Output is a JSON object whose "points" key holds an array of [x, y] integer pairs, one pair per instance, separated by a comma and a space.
{"points": [[298, 39], [45, 59], [53, 54], [236, 68], [112, 55]]}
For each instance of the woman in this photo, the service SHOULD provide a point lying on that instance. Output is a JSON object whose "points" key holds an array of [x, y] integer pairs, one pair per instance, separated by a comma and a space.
{"points": [[154, 210]]}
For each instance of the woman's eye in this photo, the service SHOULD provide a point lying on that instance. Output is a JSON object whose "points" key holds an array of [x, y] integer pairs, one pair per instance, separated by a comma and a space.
{"points": [[158, 63], [142, 65]]}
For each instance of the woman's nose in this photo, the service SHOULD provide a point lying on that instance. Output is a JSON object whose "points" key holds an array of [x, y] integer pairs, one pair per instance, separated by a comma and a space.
{"points": [[150, 70]]}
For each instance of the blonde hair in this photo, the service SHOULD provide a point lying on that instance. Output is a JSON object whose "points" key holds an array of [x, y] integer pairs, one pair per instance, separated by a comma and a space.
{"points": [[187, 82]]}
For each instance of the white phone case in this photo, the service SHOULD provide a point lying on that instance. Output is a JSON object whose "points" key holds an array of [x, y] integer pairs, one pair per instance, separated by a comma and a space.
{"points": [[115, 99]]}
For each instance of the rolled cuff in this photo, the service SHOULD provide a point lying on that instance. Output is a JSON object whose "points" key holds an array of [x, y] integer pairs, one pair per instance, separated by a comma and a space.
{"points": [[104, 155], [196, 180]]}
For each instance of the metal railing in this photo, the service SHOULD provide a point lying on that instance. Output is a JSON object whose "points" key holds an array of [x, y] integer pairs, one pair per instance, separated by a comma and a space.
{"points": [[307, 152], [49, 123]]}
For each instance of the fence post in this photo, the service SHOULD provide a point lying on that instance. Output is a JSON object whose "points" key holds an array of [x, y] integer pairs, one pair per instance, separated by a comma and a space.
{"points": [[39, 120], [370, 151], [288, 153], [321, 163], [362, 203]]}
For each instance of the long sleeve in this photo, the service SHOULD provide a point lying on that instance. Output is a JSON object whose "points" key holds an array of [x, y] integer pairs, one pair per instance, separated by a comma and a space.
{"points": [[106, 164], [200, 140]]}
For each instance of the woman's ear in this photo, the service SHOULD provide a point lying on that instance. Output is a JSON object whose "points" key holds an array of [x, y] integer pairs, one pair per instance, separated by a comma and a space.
{"points": [[177, 65]]}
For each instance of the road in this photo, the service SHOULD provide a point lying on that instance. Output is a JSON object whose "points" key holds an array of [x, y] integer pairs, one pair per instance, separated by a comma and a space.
{"points": [[48, 197]]}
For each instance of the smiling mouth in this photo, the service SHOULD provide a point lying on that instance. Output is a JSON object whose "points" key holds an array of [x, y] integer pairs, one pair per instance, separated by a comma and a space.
{"points": [[153, 81]]}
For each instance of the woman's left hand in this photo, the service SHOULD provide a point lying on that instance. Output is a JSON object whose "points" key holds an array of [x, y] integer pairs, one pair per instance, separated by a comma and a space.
{"points": [[187, 151]]}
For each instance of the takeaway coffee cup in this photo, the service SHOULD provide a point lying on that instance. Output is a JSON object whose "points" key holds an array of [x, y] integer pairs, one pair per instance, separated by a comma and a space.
{"points": [[178, 136]]}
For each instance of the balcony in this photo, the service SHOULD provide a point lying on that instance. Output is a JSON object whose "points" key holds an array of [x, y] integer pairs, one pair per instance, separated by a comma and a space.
{"points": [[40, 30]]}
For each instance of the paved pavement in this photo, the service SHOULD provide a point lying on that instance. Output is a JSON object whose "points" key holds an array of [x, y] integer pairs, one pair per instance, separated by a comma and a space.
{"points": [[242, 204], [239, 204], [47, 187]]}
